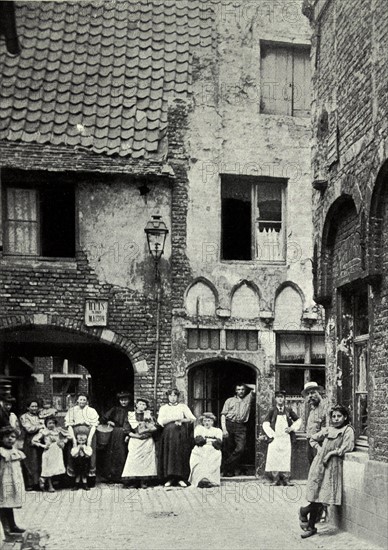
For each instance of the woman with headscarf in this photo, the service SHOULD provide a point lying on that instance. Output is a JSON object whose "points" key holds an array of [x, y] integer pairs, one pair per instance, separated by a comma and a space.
{"points": [[115, 453], [176, 441], [82, 419], [205, 459]]}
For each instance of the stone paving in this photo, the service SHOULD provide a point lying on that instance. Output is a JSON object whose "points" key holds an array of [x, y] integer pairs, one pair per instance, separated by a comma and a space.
{"points": [[248, 515]]}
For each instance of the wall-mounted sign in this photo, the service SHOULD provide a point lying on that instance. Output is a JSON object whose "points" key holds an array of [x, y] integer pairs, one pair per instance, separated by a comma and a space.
{"points": [[96, 313]]}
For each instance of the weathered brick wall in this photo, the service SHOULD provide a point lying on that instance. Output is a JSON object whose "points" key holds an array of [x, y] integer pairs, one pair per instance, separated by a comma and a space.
{"points": [[350, 53], [54, 289]]}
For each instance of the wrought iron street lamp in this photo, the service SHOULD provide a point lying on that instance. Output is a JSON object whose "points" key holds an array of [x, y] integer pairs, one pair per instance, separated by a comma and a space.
{"points": [[156, 232]]}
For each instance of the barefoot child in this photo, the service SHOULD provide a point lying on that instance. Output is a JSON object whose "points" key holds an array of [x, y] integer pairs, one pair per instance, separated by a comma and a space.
{"points": [[11, 481], [81, 454], [52, 439]]}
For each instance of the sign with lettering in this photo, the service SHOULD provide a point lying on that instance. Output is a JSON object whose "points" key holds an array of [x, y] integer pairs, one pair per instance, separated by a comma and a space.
{"points": [[96, 313]]}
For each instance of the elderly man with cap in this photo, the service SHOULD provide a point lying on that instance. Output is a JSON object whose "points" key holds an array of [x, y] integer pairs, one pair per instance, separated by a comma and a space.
{"points": [[317, 416], [280, 426]]}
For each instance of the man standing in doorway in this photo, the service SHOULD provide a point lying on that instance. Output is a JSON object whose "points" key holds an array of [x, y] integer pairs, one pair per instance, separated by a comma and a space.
{"points": [[234, 418], [280, 424], [317, 415]]}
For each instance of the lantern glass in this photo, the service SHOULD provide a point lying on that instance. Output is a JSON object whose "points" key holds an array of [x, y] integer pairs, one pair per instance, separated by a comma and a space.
{"points": [[156, 232]]}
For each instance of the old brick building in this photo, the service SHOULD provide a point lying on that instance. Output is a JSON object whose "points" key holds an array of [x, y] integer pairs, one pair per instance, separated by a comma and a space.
{"points": [[198, 111], [350, 167]]}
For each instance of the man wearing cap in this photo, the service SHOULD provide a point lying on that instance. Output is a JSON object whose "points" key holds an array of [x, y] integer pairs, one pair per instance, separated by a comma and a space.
{"points": [[234, 418], [280, 426], [317, 416]]}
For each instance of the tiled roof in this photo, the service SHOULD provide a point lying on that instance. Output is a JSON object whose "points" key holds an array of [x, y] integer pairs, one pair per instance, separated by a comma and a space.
{"points": [[99, 75]]}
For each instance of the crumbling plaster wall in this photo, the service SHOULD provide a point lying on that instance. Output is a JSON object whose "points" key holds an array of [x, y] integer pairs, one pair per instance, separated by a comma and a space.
{"points": [[112, 218], [227, 134]]}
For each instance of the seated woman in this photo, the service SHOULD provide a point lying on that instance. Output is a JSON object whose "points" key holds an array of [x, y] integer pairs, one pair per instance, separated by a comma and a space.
{"points": [[176, 441], [205, 460], [114, 455], [324, 483], [140, 466], [82, 419]]}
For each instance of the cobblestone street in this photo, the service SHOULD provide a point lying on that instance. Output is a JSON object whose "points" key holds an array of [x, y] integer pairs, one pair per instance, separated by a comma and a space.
{"points": [[246, 515]]}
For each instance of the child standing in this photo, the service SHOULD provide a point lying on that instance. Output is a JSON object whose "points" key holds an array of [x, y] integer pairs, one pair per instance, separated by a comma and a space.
{"points": [[11, 481], [52, 439], [81, 454], [324, 484]]}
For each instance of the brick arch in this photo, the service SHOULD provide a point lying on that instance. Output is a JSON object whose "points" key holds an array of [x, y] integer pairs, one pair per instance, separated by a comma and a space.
{"points": [[102, 335], [343, 211]]}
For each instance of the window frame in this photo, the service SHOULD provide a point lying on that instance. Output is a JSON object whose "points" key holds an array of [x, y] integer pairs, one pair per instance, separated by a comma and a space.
{"points": [[306, 367], [291, 49], [254, 182], [38, 181]]}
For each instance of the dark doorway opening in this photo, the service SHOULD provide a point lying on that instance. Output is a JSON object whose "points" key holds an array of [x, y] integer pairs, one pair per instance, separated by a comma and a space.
{"points": [[102, 369], [210, 385]]}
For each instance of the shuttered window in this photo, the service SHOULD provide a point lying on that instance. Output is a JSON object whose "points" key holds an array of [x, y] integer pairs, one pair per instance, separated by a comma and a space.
{"points": [[285, 80]]}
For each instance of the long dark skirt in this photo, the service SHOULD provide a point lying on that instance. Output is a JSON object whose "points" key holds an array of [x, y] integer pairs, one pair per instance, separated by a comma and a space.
{"points": [[33, 462], [82, 429], [175, 447], [113, 457]]}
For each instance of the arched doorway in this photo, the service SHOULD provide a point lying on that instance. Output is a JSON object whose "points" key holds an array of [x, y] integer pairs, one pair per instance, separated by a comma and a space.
{"points": [[44, 361], [211, 382]]}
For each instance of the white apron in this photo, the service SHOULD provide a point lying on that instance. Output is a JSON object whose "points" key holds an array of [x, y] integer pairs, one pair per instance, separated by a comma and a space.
{"points": [[279, 451]]}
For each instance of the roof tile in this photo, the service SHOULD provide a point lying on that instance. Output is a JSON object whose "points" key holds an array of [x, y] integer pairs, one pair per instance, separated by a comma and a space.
{"points": [[109, 66]]}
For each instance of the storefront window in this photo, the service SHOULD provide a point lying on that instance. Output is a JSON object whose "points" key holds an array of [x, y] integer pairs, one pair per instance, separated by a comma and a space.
{"points": [[300, 358]]}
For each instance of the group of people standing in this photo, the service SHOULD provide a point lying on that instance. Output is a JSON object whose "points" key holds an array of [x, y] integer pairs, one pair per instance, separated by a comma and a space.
{"points": [[134, 448]]}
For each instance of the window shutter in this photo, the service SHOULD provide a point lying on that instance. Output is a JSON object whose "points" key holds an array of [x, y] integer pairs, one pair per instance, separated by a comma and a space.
{"points": [[22, 221], [276, 81], [301, 84]]}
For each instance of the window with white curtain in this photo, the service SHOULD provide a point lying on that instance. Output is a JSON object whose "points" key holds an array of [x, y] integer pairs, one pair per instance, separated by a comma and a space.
{"points": [[253, 218]]}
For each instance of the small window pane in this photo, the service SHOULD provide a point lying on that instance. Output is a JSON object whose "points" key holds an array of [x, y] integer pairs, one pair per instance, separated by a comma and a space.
{"points": [[361, 316], [242, 343], [318, 375], [318, 349], [230, 339], [192, 338], [291, 380], [204, 339], [215, 339], [253, 342], [292, 348]]}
